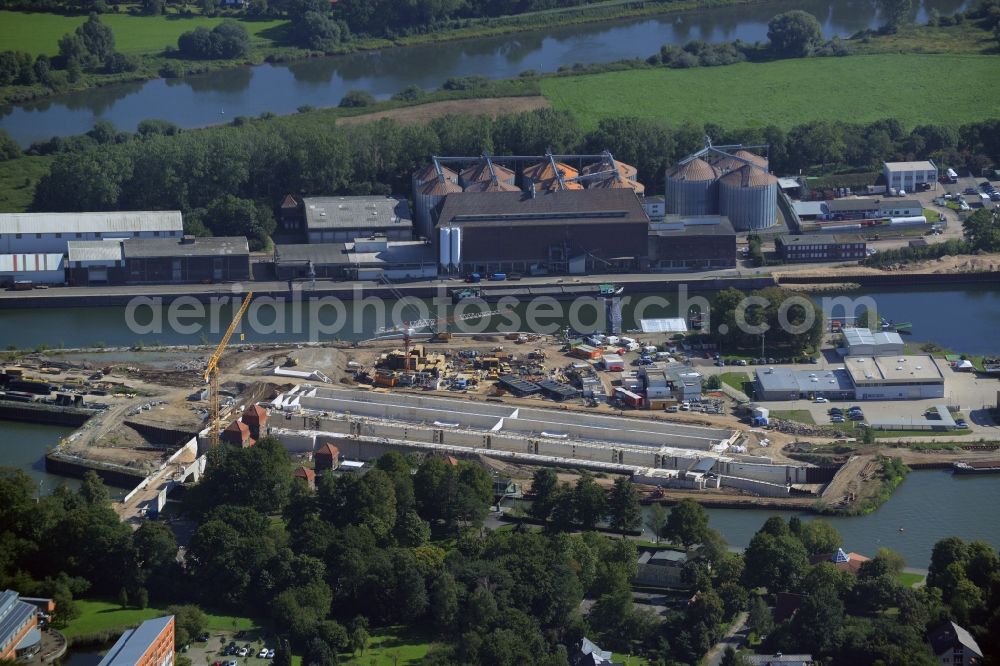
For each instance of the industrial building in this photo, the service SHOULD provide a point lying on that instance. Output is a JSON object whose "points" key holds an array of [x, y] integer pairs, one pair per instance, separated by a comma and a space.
{"points": [[691, 243], [895, 377], [820, 247], [342, 219], [360, 259], [864, 342], [40, 268], [672, 381], [871, 209], [539, 174], [159, 260], [19, 634], [727, 180], [592, 230], [42, 233], [861, 378], [909, 176], [149, 644]]}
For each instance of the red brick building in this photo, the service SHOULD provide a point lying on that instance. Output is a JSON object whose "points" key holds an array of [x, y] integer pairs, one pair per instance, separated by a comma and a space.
{"points": [[327, 457], [149, 644], [255, 418], [237, 433]]}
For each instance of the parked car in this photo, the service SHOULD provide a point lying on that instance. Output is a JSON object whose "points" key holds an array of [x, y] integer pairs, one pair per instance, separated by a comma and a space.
{"points": [[242, 652], [262, 654], [837, 419], [961, 423], [821, 399], [270, 653]]}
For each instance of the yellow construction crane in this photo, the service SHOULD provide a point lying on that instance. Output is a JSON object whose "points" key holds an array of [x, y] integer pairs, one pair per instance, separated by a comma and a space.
{"points": [[212, 373]]}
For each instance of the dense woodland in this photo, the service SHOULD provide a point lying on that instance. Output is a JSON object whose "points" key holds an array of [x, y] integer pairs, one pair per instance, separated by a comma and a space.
{"points": [[403, 545]]}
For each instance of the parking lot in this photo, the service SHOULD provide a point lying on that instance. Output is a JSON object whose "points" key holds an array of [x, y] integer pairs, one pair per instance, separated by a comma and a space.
{"points": [[212, 651]]}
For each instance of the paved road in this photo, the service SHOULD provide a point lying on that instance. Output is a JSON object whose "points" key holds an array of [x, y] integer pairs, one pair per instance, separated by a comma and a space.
{"points": [[734, 637]]}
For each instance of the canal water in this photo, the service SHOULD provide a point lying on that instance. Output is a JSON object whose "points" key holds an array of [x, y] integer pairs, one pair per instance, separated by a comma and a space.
{"points": [[217, 97], [24, 445], [962, 319]]}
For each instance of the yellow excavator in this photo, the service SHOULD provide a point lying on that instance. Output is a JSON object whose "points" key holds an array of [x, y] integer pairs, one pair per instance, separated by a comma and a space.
{"points": [[212, 373]]}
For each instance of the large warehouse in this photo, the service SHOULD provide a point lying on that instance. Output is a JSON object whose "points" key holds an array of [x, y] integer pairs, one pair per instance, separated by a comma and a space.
{"points": [[362, 259], [51, 232], [692, 243], [575, 231], [729, 180], [342, 219], [861, 378]]}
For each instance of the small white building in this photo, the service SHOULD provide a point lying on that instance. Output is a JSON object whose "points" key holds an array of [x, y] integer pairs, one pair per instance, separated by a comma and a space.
{"points": [[51, 232], [863, 342], [42, 268], [908, 175]]}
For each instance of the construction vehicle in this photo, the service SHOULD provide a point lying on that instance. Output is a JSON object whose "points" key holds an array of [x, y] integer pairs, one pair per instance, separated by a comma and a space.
{"points": [[212, 373]]}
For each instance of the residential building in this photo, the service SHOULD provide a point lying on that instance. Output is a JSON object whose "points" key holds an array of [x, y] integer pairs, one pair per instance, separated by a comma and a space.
{"points": [[342, 219], [39, 233], [19, 634], [908, 176], [569, 231], [360, 259], [149, 644], [863, 342], [691, 243], [660, 567], [586, 653], [780, 659], [237, 433], [850, 562], [821, 247], [953, 645], [307, 475], [327, 457], [255, 418], [42, 268]]}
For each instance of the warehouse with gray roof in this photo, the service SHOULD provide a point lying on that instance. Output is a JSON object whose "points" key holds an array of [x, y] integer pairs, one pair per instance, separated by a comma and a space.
{"points": [[342, 219]]}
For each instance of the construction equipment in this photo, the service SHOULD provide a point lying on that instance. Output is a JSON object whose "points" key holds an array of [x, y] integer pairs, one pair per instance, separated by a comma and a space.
{"points": [[212, 373]]}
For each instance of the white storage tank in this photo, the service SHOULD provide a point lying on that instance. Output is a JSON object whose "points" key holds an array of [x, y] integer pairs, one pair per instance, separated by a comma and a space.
{"points": [[427, 197], [691, 189], [748, 196], [444, 247], [456, 247]]}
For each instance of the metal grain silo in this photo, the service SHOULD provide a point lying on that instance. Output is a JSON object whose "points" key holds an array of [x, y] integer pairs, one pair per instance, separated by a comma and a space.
{"points": [[428, 196], [691, 188], [491, 186], [444, 247], [748, 196], [480, 173]]}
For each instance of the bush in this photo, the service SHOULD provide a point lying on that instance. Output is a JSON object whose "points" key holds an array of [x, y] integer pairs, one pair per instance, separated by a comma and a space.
{"points": [[356, 99], [227, 40]]}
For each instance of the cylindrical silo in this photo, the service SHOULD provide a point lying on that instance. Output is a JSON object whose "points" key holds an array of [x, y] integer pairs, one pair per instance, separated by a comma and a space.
{"points": [[480, 172], [444, 247], [616, 182], [490, 186], [691, 188], [749, 198], [625, 170], [753, 157], [456, 247], [426, 199]]}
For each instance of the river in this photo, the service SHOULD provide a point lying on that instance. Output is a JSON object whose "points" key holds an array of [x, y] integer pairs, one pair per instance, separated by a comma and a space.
{"points": [[216, 97]]}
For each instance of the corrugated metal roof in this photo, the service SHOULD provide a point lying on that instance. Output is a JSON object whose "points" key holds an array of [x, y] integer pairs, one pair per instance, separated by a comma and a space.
{"points": [[543, 171], [111, 222], [372, 212], [480, 171], [696, 170], [748, 176], [490, 186], [429, 173], [133, 644], [101, 250], [600, 206], [24, 263]]}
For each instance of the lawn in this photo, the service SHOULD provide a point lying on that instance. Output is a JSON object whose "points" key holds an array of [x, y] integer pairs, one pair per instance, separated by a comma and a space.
{"points": [[735, 379], [393, 646], [789, 92], [98, 616], [909, 579], [798, 415], [38, 33]]}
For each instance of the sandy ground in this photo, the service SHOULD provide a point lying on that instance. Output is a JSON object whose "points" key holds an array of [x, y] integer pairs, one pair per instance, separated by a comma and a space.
{"points": [[424, 113]]}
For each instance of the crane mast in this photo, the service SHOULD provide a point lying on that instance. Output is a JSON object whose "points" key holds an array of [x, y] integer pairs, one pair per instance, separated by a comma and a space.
{"points": [[212, 373]]}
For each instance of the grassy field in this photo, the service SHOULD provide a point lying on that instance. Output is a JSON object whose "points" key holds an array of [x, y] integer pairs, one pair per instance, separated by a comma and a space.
{"points": [[395, 646], [18, 178], [38, 33], [909, 579], [97, 616], [799, 415], [735, 379], [789, 92]]}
